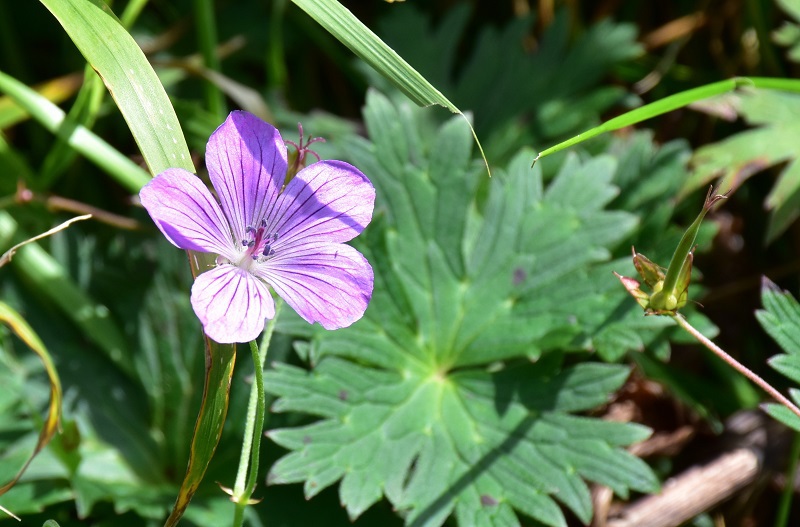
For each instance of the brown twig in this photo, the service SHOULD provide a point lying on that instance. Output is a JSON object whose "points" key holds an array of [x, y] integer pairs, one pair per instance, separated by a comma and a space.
{"points": [[59, 203], [750, 450]]}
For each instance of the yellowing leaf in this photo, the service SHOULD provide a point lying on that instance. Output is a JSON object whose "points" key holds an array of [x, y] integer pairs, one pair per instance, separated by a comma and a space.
{"points": [[21, 328]]}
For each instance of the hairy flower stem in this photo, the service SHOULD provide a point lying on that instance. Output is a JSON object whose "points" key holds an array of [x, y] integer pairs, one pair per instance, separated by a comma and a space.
{"points": [[764, 385], [247, 474]]}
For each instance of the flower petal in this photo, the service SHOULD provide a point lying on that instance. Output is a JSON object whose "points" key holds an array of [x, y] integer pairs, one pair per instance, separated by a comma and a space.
{"points": [[186, 212], [246, 161], [328, 201], [232, 304], [329, 283]]}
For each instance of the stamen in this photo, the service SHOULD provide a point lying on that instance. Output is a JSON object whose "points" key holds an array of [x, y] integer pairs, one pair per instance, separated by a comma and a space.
{"points": [[260, 246], [268, 250]]}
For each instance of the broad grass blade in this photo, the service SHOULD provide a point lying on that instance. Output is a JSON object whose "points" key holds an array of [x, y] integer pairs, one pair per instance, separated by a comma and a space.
{"points": [[122, 65]]}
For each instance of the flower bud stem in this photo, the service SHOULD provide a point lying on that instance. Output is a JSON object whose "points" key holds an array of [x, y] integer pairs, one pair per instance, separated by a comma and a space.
{"points": [[247, 474]]}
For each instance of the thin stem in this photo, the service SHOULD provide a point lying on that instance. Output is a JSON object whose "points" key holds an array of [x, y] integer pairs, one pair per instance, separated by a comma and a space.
{"points": [[276, 65], [207, 34], [131, 13], [247, 442], [764, 385], [785, 503], [247, 474]]}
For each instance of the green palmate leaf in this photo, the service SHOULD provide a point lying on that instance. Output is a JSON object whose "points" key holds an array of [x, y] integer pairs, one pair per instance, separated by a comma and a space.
{"points": [[777, 118], [141, 98], [780, 318], [468, 273], [438, 445], [666, 170]]}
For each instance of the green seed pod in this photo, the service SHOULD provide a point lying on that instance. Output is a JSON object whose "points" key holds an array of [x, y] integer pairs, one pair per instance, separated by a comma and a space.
{"points": [[670, 287]]}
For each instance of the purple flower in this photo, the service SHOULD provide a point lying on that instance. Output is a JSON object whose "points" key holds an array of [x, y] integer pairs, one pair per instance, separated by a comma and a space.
{"points": [[290, 240]]}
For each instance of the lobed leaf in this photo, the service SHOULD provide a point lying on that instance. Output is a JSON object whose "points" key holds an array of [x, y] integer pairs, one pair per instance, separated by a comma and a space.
{"points": [[780, 318], [468, 274], [775, 115], [789, 33]]}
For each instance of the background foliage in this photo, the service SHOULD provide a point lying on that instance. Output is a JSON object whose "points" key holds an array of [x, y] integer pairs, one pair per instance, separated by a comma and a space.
{"points": [[474, 391]]}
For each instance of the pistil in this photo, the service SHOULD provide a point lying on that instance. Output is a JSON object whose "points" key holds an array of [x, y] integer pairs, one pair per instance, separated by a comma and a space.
{"points": [[259, 244]]}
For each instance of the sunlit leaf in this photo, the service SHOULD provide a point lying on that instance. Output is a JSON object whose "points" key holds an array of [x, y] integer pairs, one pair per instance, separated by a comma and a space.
{"points": [[141, 98], [409, 409]]}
